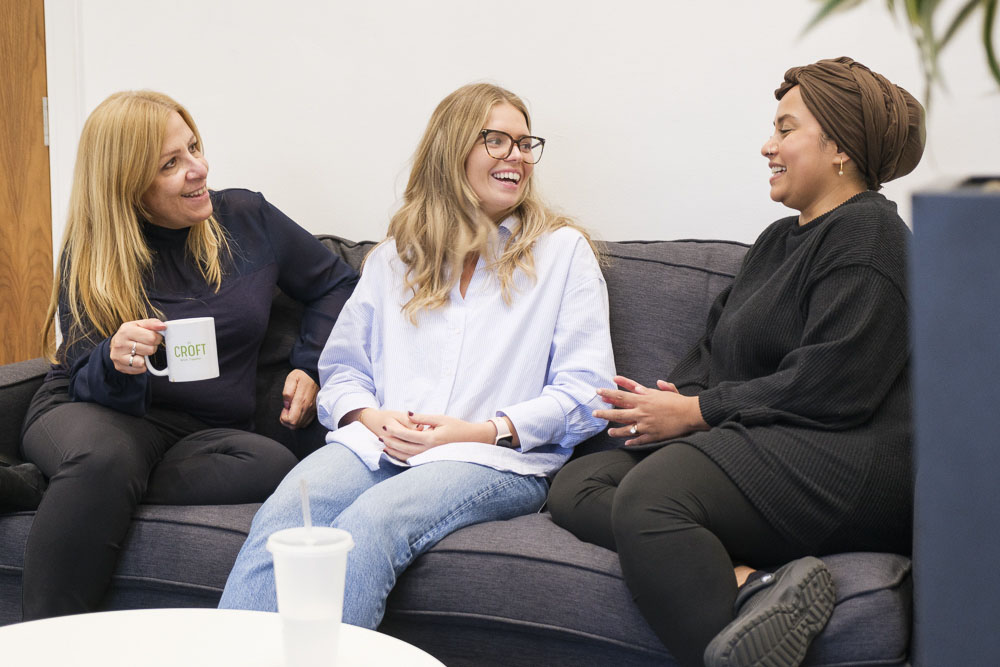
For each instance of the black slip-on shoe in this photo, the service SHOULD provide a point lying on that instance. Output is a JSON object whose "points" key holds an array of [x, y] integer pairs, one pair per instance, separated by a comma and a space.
{"points": [[777, 618]]}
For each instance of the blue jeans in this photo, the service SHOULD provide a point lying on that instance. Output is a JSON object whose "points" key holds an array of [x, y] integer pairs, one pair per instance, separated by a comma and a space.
{"points": [[394, 515]]}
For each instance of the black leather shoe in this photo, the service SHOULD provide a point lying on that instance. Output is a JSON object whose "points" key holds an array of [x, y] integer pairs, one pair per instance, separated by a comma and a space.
{"points": [[21, 487], [778, 615]]}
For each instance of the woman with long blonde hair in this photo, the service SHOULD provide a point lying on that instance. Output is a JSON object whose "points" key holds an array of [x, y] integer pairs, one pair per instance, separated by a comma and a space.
{"points": [[462, 371], [147, 242]]}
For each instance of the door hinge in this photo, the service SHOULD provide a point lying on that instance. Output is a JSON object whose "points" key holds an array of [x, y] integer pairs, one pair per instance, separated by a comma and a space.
{"points": [[45, 120]]}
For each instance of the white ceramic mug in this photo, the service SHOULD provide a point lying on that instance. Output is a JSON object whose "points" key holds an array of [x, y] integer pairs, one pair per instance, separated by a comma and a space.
{"points": [[192, 353]]}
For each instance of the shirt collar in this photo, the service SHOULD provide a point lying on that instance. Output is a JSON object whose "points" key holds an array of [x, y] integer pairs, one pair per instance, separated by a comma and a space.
{"points": [[506, 228]]}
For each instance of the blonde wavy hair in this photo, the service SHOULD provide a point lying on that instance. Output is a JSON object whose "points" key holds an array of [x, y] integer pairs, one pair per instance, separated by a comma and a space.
{"points": [[440, 224], [104, 259]]}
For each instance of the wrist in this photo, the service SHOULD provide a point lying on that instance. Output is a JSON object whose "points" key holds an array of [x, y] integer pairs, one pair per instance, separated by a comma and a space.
{"points": [[489, 432], [697, 422], [353, 416], [503, 433]]}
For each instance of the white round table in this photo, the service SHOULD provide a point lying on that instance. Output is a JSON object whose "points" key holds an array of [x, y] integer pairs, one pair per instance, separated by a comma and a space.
{"points": [[209, 637]]}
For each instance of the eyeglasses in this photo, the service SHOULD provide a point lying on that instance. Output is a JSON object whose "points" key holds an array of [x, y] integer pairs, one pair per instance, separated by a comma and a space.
{"points": [[499, 146]]}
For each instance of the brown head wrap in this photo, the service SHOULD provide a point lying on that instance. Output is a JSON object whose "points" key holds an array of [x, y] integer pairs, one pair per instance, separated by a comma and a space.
{"points": [[878, 124]]}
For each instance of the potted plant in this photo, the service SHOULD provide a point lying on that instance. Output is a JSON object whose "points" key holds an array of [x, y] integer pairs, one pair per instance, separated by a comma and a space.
{"points": [[921, 18]]}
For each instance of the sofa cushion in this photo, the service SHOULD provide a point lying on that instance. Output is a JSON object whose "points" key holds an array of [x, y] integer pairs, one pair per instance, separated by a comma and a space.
{"points": [[18, 382], [173, 556], [531, 579], [660, 293]]}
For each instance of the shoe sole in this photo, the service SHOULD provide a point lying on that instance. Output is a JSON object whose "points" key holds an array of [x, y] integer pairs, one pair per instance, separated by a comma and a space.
{"points": [[780, 636]]}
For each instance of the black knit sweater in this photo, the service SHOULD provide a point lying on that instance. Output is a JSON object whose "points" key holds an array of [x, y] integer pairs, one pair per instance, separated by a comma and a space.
{"points": [[803, 375]]}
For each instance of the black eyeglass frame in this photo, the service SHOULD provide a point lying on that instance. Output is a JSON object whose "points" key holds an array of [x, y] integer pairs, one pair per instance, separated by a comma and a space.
{"points": [[513, 142]]}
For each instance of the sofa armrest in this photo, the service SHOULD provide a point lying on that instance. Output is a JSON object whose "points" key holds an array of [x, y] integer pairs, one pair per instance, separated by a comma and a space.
{"points": [[18, 383]]}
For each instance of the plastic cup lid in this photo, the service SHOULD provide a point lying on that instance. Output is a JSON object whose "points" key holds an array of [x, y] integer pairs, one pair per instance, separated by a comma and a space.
{"points": [[319, 540]]}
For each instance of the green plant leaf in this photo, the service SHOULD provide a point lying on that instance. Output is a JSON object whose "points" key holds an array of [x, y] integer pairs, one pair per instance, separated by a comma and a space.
{"points": [[919, 15], [957, 22], [829, 7], [989, 16]]}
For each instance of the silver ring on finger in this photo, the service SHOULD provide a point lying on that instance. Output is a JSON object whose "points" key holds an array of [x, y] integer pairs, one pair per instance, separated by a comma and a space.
{"points": [[634, 430], [132, 352], [131, 358]]}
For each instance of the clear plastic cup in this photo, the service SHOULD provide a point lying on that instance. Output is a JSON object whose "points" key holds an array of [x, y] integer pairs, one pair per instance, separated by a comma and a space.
{"points": [[309, 567]]}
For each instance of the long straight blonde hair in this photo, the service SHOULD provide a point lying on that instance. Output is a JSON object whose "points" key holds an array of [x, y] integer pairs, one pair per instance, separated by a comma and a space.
{"points": [[104, 259], [440, 223]]}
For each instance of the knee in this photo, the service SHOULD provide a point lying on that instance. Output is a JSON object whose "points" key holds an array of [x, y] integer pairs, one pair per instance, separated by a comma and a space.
{"points": [[98, 480], [646, 506], [106, 466], [266, 461], [86, 440], [371, 526], [274, 460], [243, 445]]}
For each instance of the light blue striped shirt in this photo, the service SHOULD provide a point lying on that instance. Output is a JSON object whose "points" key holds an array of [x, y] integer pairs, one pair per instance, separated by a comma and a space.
{"points": [[538, 360]]}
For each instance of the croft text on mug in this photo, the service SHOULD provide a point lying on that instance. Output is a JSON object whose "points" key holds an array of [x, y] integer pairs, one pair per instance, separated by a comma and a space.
{"points": [[189, 350]]}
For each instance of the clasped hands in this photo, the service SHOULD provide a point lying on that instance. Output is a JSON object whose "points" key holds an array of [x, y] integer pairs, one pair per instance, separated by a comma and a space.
{"points": [[650, 415], [405, 434]]}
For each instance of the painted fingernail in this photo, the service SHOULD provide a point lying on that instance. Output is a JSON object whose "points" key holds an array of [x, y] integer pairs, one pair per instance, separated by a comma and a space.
{"points": [[381, 440], [409, 412], [385, 429]]}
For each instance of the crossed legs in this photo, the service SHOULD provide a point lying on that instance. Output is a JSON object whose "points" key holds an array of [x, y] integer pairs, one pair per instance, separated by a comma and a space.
{"points": [[101, 463], [677, 523]]}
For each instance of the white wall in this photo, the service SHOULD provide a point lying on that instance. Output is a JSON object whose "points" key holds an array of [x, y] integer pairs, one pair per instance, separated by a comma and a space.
{"points": [[655, 111]]}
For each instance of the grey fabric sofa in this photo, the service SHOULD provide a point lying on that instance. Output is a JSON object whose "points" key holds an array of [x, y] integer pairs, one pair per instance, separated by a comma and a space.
{"points": [[519, 592]]}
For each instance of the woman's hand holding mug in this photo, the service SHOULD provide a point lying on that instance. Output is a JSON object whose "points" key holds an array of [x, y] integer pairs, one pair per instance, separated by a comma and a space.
{"points": [[133, 342], [190, 343]]}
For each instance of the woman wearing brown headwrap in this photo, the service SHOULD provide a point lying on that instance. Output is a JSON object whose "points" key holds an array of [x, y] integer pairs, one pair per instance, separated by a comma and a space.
{"points": [[785, 433]]}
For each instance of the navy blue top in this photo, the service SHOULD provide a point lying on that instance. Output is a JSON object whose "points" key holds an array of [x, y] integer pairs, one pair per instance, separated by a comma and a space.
{"points": [[267, 249]]}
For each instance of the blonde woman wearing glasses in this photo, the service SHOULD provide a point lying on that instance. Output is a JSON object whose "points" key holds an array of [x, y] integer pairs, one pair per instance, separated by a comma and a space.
{"points": [[461, 373]]}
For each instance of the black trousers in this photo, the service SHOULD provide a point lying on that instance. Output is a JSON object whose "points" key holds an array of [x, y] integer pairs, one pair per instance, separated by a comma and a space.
{"points": [[101, 463], [678, 524]]}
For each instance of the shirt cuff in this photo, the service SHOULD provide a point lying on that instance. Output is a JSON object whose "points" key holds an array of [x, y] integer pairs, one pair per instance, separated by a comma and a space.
{"points": [[540, 421], [331, 412]]}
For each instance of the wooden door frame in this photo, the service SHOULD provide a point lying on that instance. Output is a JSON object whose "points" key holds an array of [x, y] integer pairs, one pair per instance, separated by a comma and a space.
{"points": [[26, 250]]}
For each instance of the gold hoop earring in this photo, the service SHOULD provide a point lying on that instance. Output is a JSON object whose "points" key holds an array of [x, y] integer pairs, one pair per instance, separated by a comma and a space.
{"points": [[841, 172]]}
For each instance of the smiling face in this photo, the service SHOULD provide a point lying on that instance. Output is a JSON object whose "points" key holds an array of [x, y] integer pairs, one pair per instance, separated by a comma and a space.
{"points": [[178, 197], [499, 184], [804, 163]]}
